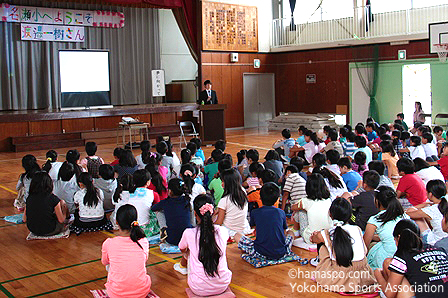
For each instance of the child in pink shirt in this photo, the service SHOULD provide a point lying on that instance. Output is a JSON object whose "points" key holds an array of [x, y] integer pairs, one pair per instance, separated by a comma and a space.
{"points": [[125, 257], [204, 249]]}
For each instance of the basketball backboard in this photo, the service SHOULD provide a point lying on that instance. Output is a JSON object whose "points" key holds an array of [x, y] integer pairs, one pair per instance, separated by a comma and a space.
{"points": [[438, 34]]}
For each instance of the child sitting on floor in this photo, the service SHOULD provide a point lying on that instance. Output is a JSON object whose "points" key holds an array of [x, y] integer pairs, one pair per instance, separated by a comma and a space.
{"points": [[89, 216], [142, 159], [215, 186], [426, 172], [167, 161], [429, 147], [117, 152], [254, 169], [121, 196], [411, 185], [379, 167], [107, 183], [92, 162], [349, 146], [193, 150], [143, 198], [125, 257], [233, 206], [294, 190], [212, 168], [66, 186], [350, 177], [273, 240], [413, 264], [127, 164], [359, 162], [429, 219], [192, 189], [158, 175], [253, 194], [283, 146], [390, 159], [199, 152], [380, 226], [177, 211], [52, 165], [363, 203], [342, 250], [316, 204], [361, 144], [204, 250], [415, 149], [333, 157], [29, 164]]}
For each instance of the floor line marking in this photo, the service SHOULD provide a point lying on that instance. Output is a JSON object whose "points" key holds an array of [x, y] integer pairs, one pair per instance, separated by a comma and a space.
{"points": [[247, 291], [6, 292], [248, 146], [49, 271], [112, 235], [81, 283], [8, 189]]}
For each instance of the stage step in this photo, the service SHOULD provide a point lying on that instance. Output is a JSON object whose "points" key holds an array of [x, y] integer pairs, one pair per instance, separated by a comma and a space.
{"points": [[292, 121], [30, 143], [45, 138]]}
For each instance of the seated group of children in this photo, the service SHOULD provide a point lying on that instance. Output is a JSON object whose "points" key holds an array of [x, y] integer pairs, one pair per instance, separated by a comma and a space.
{"points": [[345, 202]]}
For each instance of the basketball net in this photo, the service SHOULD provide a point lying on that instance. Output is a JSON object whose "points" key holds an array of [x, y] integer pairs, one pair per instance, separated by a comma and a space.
{"points": [[442, 50]]}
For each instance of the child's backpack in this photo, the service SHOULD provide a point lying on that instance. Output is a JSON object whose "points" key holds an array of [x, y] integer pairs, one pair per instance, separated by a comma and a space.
{"points": [[93, 166]]}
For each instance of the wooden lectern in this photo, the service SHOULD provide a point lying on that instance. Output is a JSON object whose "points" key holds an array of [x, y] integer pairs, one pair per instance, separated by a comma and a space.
{"points": [[212, 121]]}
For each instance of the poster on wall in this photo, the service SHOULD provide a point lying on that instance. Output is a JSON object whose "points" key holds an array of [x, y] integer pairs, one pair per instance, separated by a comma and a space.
{"points": [[229, 27], [39, 32], [60, 16], [158, 82]]}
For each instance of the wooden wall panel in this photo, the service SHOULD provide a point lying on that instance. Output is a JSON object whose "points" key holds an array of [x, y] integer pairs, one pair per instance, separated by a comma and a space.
{"points": [[82, 124], [11, 129], [45, 127], [107, 123], [163, 119]]}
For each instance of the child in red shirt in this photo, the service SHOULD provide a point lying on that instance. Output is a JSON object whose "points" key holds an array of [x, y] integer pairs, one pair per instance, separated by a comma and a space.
{"points": [[411, 185], [443, 162]]}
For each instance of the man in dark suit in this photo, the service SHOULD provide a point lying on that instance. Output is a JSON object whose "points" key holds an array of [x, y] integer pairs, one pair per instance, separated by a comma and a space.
{"points": [[207, 96]]}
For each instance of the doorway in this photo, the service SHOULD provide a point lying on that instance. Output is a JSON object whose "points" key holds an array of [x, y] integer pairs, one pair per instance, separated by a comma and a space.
{"points": [[259, 99], [416, 87]]}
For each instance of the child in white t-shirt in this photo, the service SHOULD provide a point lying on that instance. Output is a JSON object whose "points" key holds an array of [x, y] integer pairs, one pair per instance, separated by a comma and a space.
{"points": [[233, 206], [424, 216], [429, 147], [415, 148]]}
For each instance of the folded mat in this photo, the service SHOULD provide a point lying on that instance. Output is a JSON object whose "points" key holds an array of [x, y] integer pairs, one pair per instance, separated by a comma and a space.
{"points": [[103, 294], [167, 248], [16, 218], [299, 242], [63, 234]]}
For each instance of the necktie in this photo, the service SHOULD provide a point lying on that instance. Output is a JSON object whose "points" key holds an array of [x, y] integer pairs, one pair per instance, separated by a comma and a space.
{"points": [[209, 93]]}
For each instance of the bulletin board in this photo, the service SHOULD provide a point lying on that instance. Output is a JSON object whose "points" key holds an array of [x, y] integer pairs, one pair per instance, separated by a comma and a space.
{"points": [[229, 27]]}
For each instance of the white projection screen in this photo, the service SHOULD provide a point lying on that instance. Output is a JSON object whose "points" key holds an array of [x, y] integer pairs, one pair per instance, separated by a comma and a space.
{"points": [[85, 81]]}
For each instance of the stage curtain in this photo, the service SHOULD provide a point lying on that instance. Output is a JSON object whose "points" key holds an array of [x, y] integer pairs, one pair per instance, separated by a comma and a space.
{"points": [[30, 76], [185, 13]]}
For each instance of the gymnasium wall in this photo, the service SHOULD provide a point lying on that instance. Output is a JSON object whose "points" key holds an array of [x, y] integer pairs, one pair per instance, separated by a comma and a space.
{"points": [[293, 94]]}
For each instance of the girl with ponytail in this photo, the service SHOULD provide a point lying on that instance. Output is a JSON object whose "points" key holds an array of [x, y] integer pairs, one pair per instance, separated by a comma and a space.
{"points": [[125, 257], [89, 216], [342, 249], [380, 226], [121, 196], [204, 249], [72, 157], [416, 264], [308, 150], [431, 216], [52, 165], [158, 175], [192, 189], [176, 210]]}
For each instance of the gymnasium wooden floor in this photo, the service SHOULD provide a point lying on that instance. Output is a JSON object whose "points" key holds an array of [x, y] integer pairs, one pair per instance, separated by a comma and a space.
{"points": [[71, 267]]}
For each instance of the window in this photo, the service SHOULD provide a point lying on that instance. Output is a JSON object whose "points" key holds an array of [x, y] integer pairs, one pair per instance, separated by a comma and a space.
{"points": [[310, 11]]}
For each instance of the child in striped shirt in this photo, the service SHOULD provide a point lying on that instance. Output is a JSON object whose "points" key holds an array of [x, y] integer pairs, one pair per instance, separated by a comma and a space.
{"points": [[294, 189], [253, 180], [349, 146]]}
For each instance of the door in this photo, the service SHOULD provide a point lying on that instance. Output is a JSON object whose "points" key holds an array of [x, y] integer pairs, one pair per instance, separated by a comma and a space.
{"points": [[259, 99]]}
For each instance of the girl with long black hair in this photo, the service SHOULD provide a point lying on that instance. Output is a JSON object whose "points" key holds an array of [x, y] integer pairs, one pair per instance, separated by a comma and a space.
{"points": [[204, 249], [29, 164], [125, 257], [89, 216], [423, 267], [72, 157], [343, 250], [192, 189], [233, 206], [52, 165], [429, 218], [158, 175], [380, 226]]}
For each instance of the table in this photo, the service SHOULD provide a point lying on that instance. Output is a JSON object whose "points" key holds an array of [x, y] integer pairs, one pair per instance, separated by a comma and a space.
{"points": [[124, 127]]}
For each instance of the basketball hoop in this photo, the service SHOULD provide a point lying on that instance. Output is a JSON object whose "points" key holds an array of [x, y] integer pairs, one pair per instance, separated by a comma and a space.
{"points": [[442, 50]]}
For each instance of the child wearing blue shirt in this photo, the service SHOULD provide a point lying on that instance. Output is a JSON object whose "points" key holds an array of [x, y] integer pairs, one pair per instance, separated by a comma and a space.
{"points": [[371, 134], [350, 177], [287, 143], [199, 152], [301, 139], [273, 241]]}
